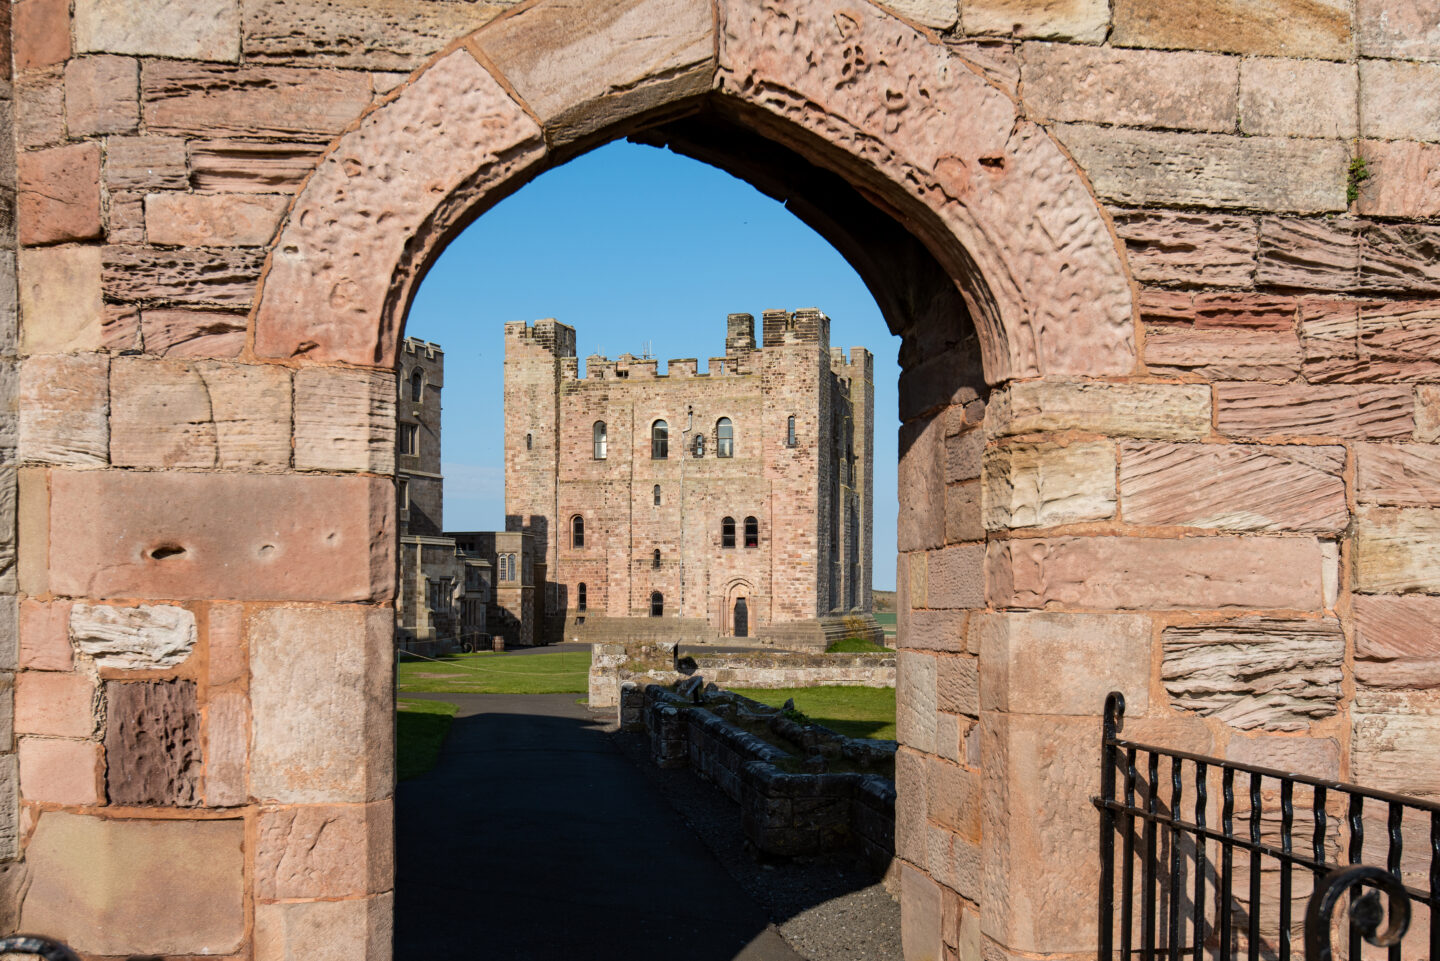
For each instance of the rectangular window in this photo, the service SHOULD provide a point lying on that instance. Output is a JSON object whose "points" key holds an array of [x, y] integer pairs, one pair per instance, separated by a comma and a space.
{"points": [[410, 439], [404, 493]]}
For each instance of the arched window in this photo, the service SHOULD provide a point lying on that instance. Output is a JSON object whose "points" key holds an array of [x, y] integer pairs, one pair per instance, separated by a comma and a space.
{"points": [[598, 434], [727, 532], [752, 532], [724, 438], [657, 495], [659, 440], [577, 531], [699, 445], [790, 431], [529, 441], [580, 598], [417, 386], [655, 559], [657, 604]]}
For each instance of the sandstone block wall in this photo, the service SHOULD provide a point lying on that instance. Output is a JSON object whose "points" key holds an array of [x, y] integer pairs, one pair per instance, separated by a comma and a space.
{"points": [[1111, 233]]}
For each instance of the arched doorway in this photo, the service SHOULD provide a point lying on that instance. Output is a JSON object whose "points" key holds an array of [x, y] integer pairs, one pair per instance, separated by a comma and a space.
{"points": [[740, 619], [981, 242]]}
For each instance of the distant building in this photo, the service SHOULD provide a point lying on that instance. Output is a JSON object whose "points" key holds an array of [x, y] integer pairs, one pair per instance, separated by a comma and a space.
{"points": [[511, 612], [444, 592], [734, 503]]}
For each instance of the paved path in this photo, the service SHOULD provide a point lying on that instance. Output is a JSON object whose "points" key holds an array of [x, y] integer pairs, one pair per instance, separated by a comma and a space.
{"points": [[534, 839]]}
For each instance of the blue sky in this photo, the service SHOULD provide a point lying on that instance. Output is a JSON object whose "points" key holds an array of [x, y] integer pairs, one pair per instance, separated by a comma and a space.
{"points": [[633, 247]]}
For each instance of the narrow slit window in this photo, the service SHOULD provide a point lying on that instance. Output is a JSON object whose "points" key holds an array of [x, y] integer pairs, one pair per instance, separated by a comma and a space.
{"points": [[600, 436], [580, 596], [657, 495], [790, 431], [727, 532], [417, 386], [577, 531], [724, 438], [655, 559], [752, 532], [659, 440], [529, 441]]}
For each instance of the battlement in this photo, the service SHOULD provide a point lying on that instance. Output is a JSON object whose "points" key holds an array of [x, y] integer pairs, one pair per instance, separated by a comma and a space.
{"points": [[805, 326], [547, 334], [415, 347]]}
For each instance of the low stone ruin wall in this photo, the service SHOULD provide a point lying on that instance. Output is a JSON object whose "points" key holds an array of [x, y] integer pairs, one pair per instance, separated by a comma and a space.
{"points": [[612, 664], [793, 802]]}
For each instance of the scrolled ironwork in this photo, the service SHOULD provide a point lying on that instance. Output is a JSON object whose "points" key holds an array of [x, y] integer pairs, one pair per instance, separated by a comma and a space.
{"points": [[1366, 912], [41, 947]]}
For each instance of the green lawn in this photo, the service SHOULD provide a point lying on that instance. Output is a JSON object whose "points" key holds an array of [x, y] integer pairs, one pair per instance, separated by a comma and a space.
{"points": [[853, 711], [856, 645], [420, 729], [497, 673]]}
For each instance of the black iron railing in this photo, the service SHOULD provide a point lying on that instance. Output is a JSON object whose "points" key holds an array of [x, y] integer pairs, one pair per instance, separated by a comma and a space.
{"points": [[1203, 888]]}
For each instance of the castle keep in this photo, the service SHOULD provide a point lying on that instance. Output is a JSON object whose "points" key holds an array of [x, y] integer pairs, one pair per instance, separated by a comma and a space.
{"points": [[735, 502]]}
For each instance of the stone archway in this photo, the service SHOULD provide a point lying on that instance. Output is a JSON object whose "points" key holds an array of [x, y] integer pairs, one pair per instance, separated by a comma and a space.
{"points": [[975, 231]]}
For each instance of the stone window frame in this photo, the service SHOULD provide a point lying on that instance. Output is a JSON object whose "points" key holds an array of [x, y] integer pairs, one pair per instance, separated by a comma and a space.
{"points": [[657, 495], [402, 492], [600, 440], [417, 386], [727, 533], [699, 446], [657, 604], [582, 598], [724, 437], [790, 440], [655, 559], [410, 440], [529, 441], [659, 439], [577, 532], [752, 531]]}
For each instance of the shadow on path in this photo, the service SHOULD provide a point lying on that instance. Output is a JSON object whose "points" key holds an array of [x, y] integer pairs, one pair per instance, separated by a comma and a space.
{"points": [[534, 838]]}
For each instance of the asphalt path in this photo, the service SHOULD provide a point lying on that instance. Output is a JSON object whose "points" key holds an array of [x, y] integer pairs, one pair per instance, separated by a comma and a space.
{"points": [[534, 838]]}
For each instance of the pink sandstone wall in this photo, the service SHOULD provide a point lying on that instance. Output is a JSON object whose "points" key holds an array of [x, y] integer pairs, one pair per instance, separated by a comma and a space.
{"points": [[1206, 422]]}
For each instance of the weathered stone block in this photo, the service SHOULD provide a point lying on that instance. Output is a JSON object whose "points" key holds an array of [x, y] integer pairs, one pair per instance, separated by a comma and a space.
{"points": [[145, 163], [213, 220], [32, 528], [345, 420], [934, 631], [152, 743], [1279, 28], [1233, 487], [193, 333], [915, 693], [1191, 247], [210, 100], [1046, 485], [935, 14], [322, 729], [1211, 170], [1223, 354], [1398, 475], [64, 402], [60, 771], [919, 915], [1400, 258], [957, 685], [963, 518], [55, 704], [59, 194], [227, 738], [40, 109], [1062, 663], [42, 33], [1279, 675], [1393, 99], [955, 577], [954, 798], [228, 660], [1218, 311], [178, 536], [1427, 413], [204, 30], [373, 34], [102, 95], [1395, 550], [1402, 29], [1309, 253], [222, 276], [1404, 179], [1038, 778], [45, 635], [360, 929], [622, 54], [240, 165], [1298, 98], [324, 852], [921, 522], [1397, 644], [1165, 411], [60, 304], [1125, 573], [1133, 88], [126, 887], [146, 637], [1304, 410], [175, 414], [1311, 756], [1083, 21], [1393, 752]]}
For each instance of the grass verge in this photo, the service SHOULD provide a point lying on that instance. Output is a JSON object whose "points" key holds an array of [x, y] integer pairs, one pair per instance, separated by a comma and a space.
{"points": [[420, 729], [853, 711], [491, 673], [857, 645]]}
